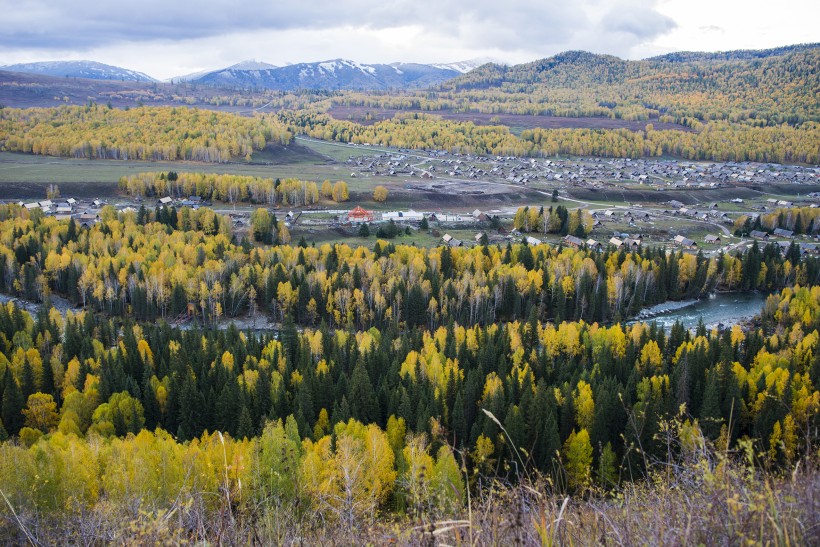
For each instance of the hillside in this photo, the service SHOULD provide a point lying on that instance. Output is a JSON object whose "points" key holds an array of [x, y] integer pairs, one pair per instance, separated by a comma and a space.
{"points": [[759, 87]]}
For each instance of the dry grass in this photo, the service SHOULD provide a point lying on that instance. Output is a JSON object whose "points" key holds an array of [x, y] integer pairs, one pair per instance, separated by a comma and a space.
{"points": [[706, 497]]}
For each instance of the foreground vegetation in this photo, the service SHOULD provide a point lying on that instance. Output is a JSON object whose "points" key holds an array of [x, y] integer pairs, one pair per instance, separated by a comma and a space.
{"points": [[146, 489]]}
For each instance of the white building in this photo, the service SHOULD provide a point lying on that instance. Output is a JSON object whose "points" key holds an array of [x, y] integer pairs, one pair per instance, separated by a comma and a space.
{"points": [[403, 216]]}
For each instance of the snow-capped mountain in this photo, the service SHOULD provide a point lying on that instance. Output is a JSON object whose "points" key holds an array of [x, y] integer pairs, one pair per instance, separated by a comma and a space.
{"points": [[466, 66], [80, 69], [333, 74], [226, 73]]}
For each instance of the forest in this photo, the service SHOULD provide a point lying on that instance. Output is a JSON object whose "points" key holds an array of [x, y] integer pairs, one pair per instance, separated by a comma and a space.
{"points": [[400, 380], [145, 133], [167, 262]]}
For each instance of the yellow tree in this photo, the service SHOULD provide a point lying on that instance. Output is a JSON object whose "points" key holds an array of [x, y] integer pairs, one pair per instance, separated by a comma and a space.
{"points": [[340, 192], [577, 453], [41, 412], [380, 193]]}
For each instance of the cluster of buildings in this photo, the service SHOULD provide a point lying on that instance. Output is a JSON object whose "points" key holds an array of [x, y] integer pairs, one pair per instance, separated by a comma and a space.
{"points": [[194, 202], [586, 172], [85, 212], [359, 215]]}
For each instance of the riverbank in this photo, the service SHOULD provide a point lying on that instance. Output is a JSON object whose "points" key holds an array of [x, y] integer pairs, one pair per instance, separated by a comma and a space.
{"points": [[720, 309]]}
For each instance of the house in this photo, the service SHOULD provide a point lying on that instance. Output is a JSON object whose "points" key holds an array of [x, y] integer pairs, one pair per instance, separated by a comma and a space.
{"points": [[757, 234], [685, 242], [632, 244], [46, 204], [31, 206], [592, 244], [446, 238], [478, 237], [573, 241], [532, 240], [617, 243], [780, 232], [71, 201], [166, 200], [455, 242], [87, 220], [712, 239], [783, 246]]}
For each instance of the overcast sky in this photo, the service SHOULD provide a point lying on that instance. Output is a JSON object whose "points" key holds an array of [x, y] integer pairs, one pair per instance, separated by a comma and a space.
{"points": [[166, 38]]}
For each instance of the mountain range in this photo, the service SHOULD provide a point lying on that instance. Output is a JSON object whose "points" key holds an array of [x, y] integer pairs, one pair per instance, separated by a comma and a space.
{"points": [[333, 74]]}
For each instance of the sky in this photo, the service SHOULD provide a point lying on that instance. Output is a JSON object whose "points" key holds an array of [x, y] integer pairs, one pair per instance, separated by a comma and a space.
{"points": [[167, 38]]}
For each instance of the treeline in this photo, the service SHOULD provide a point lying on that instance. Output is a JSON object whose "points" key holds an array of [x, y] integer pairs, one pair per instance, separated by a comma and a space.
{"points": [[348, 414], [222, 187], [169, 262], [232, 188], [800, 220], [556, 220], [155, 134], [717, 141]]}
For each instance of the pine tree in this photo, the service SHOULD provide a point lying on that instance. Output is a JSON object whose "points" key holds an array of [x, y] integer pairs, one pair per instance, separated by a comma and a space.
{"points": [[245, 429], [28, 384], [13, 404]]}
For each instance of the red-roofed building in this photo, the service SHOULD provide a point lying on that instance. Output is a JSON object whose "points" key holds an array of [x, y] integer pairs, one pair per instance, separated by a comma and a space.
{"points": [[359, 215]]}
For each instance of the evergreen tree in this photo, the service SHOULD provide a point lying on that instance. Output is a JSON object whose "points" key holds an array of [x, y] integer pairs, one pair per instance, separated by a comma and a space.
{"points": [[245, 429], [13, 404], [361, 396]]}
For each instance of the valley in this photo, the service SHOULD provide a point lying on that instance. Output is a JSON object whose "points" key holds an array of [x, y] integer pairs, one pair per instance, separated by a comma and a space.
{"points": [[412, 304]]}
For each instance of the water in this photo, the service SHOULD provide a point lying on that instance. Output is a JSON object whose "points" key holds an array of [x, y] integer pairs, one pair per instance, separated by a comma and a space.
{"points": [[726, 309]]}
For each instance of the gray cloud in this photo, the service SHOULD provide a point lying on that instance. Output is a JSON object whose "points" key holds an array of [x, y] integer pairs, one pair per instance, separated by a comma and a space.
{"points": [[522, 24], [638, 21]]}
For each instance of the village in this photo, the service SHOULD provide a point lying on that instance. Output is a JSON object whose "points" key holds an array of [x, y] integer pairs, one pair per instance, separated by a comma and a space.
{"points": [[586, 172], [466, 199]]}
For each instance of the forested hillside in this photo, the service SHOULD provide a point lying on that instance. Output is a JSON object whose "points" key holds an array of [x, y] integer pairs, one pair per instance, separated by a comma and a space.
{"points": [[764, 91], [741, 107]]}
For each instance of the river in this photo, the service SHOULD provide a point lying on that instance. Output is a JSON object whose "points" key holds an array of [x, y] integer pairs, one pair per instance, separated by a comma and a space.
{"points": [[723, 308]]}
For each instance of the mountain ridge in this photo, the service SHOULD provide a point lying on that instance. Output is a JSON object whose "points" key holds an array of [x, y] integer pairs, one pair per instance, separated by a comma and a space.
{"points": [[91, 70]]}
